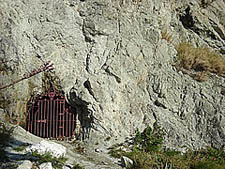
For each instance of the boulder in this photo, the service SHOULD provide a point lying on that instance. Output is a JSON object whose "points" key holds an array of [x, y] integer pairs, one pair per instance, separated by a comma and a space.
{"points": [[46, 166], [126, 162], [26, 164], [66, 167], [44, 146]]}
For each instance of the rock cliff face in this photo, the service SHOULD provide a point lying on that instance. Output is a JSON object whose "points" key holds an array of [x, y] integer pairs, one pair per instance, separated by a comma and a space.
{"points": [[115, 65]]}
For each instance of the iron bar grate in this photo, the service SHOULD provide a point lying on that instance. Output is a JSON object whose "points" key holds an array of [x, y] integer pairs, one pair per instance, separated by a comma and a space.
{"points": [[49, 116]]}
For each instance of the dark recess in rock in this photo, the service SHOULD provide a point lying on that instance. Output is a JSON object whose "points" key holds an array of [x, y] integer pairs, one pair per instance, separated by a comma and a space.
{"points": [[187, 19], [158, 104]]}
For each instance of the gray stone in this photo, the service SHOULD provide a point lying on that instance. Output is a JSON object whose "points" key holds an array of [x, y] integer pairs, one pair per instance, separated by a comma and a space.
{"points": [[26, 164], [126, 162], [2, 115], [66, 167], [44, 146], [46, 166]]}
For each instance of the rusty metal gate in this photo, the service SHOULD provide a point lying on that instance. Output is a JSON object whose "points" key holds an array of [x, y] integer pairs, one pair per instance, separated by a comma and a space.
{"points": [[49, 116]]}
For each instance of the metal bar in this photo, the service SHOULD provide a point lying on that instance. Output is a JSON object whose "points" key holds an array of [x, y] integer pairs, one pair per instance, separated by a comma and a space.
{"points": [[50, 116], [56, 118], [32, 115], [50, 119], [69, 111], [40, 119], [63, 116], [36, 118], [67, 123], [71, 123], [70, 133], [54, 110], [46, 117], [73, 119], [60, 122], [28, 120]]}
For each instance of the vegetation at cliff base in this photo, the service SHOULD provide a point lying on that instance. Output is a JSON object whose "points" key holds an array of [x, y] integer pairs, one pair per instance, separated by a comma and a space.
{"points": [[5, 134], [147, 152], [47, 157]]}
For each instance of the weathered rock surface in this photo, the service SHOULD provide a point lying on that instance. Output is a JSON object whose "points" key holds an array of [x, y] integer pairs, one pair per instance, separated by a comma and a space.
{"points": [[26, 164], [46, 166], [88, 158], [126, 162], [115, 67], [44, 146]]}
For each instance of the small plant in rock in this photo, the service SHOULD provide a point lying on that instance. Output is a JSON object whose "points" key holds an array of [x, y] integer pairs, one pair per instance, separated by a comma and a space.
{"points": [[5, 133], [3, 156], [47, 157], [78, 147], [150, 139], [168, 37], [77, 166], [116, 151], [20, 148]]}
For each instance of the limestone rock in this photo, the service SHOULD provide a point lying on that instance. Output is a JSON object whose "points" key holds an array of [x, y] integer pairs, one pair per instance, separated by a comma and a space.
{"points": [[126, 162], [44, 146], [26, 164], [2, 115], [46, 166], [66, 167], [87, 158]]}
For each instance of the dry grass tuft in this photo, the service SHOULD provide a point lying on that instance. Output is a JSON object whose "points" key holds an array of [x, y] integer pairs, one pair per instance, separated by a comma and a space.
{"points": [[201, 60], [168, 37]]}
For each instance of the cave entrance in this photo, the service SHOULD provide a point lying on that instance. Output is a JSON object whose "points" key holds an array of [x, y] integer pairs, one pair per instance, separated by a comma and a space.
{"points": [[50, 116]]}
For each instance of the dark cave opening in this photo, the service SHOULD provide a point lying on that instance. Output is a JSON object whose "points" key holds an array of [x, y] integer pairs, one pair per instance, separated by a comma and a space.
{"points": [[187, 19]]}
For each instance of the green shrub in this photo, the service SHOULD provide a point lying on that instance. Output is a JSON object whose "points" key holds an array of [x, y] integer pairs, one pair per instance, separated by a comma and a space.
{"points": [[147, 153], [77, 166], [5, 134], [20, 148], [207, 165], [47, 157], [150, 139]]}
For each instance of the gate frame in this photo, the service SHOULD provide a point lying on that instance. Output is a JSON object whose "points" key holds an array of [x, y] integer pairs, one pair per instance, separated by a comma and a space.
{"points": [[50, 116]]}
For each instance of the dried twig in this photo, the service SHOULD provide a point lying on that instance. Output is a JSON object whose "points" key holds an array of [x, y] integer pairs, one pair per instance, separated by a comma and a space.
{"points": [[46, 67]]}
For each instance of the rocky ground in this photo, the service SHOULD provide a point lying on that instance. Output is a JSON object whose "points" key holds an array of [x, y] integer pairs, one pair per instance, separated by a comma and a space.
{"points": [[22, 143]]}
